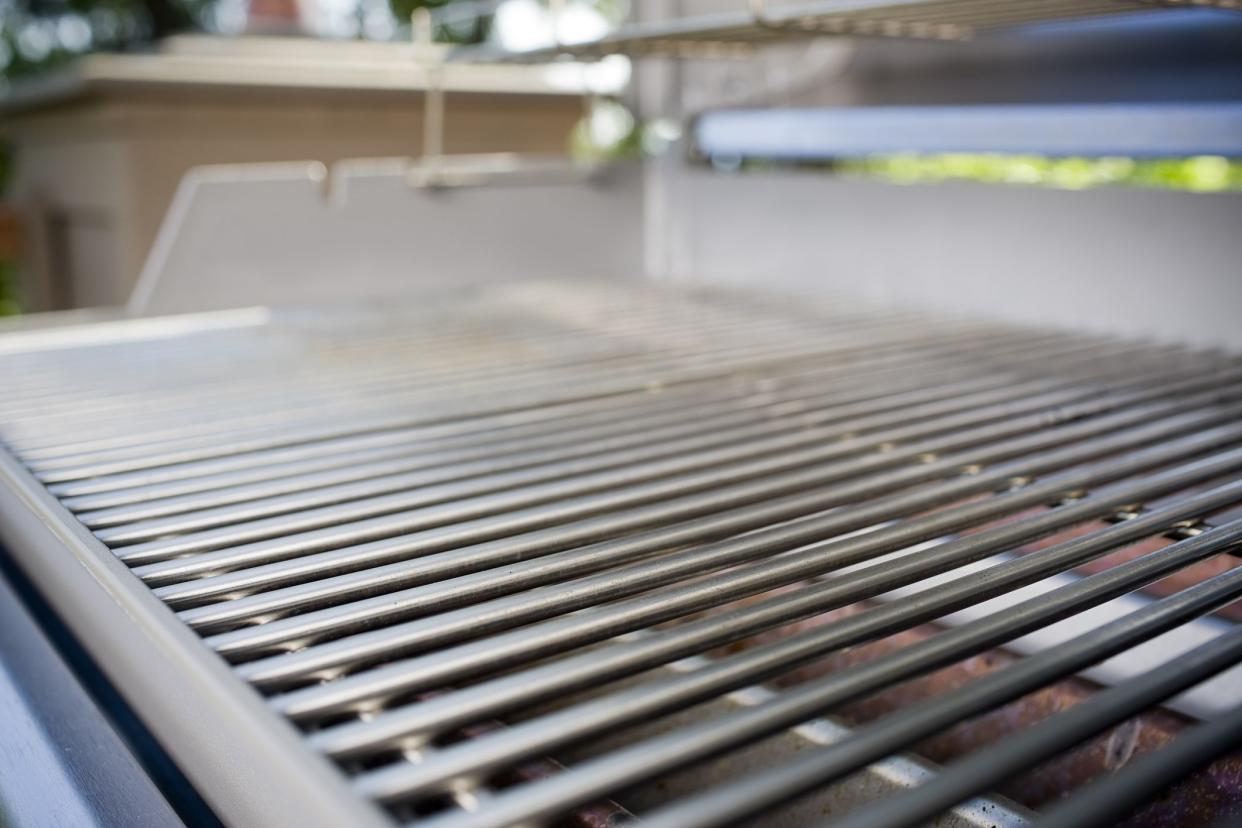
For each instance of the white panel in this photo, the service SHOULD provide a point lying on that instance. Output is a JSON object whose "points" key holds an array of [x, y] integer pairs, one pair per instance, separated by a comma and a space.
{"points": [[290, 233], [1140, 262]]}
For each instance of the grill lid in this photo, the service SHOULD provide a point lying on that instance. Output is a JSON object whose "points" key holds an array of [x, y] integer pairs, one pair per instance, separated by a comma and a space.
{"points": [[511, 554]]}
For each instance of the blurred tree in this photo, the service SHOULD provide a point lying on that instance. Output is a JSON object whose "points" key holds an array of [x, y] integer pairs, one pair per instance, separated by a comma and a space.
{"points": [[36, 35], [469, 25], [39, 34]]}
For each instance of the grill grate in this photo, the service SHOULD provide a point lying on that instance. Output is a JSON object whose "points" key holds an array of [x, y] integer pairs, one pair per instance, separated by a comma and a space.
{"points": [[514, 553]]}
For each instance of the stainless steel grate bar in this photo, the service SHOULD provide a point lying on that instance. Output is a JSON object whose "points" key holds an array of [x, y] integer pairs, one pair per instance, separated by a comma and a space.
{"points": [[465, 408], [547, 387], [364, 647], [985, 693], [185, 477], [872, 378], [242, 533], [1108, 801], [779, 474], [493, 616], [745, 798], [414, 724], [559, 566], [991, 767], [650, 444], [909, 388], [613, 421]]}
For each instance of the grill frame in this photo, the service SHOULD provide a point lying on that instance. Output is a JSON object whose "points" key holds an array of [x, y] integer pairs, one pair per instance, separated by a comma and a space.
{"points": [[230, 739]]}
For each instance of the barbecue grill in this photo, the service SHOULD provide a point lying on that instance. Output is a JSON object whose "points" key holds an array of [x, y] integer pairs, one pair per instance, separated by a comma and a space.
{"points": [[401, 563], [601, 551]]}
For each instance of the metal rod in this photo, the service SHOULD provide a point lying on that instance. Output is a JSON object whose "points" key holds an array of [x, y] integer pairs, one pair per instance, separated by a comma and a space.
{"points": [[1022, 751], [456, 558], [469, 399], [433, 95], [485, 427], [464, 407], [746, 797], [1110, 800], [614, 583], [496, 652], [646, 367], [416, 723], [389, 515], [395, 603], [174, 595], [910, 726], [899, 385], [683, 439], [649, 411]]}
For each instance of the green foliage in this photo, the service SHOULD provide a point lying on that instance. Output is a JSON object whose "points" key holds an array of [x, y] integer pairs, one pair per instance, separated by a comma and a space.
{"points": [[402, 9], [38, 35], [469, 29], [1205, 173], [608, 132]]}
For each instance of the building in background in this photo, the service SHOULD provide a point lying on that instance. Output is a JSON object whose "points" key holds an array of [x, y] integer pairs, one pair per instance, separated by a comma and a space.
{"points": [[99, 150]]}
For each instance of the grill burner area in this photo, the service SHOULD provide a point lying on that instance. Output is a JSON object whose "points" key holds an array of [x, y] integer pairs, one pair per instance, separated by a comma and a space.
{"points": [[601, 553]]}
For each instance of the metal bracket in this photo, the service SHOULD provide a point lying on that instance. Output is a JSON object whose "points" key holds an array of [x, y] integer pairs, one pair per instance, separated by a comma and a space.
{"points": [[432, 154], [434, 169]]}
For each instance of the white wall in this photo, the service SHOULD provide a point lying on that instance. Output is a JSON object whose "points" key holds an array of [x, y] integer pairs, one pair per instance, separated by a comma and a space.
{"points": [[1133, 261]]}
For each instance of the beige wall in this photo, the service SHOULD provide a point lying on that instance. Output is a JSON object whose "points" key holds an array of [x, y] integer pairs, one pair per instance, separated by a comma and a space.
{"points": [[95, 175]]}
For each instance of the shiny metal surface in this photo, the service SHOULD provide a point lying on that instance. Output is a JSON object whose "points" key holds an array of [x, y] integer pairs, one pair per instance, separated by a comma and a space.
{"points": [[733, 34], [586, 528], [61, 761]]}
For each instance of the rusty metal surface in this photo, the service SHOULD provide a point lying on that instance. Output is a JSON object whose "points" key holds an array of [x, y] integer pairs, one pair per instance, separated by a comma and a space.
{"points": [[1196, 801]]}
